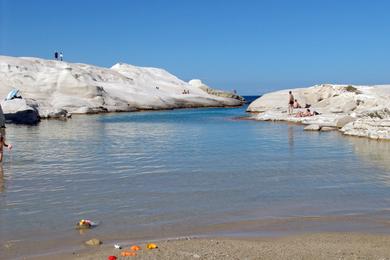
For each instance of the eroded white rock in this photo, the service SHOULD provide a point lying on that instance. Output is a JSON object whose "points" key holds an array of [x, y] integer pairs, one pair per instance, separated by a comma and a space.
{"points": [[80, 88], [20, 111], [356, 110], [373, 128]]}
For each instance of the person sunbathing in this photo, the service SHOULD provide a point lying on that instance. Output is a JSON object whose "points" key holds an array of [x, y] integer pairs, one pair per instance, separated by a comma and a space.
{"points": [[304, 113]]}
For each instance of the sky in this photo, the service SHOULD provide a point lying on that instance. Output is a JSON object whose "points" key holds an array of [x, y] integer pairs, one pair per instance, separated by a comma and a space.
{"points": [[251, 46]]}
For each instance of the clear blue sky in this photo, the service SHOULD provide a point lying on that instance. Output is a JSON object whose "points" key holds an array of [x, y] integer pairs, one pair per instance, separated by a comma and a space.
{"points": [[251, 46]]}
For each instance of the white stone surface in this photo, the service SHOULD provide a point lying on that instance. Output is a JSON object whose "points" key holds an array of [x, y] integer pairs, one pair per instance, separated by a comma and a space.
{"points": [[20, 111], [373, 128], [356, 110], [82, 88]]}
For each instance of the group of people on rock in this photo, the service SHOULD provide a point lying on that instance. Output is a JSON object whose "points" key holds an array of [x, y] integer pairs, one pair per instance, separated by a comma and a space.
{"points": [[186, 91], [59, 56], [293, 104]]}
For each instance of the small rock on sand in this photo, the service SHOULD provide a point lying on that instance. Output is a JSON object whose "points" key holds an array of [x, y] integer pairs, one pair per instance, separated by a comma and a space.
{"points": [[93, 242]]}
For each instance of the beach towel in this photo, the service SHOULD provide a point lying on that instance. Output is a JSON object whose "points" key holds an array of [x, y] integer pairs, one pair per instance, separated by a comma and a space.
{"points": [[12, 94]]}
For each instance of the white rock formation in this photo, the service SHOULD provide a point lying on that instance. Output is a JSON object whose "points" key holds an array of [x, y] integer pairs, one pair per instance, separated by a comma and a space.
{"points": [[355, 110], [374, 128], [58, 86], [20, 111], [199, 84]]}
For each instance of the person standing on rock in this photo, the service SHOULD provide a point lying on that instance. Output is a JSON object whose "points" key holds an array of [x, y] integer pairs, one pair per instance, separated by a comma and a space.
{"points": [[56, 55], [61, 56], [290, 103]]}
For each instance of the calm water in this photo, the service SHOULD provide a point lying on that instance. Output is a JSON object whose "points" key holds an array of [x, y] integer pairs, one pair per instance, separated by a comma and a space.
{"points": [[170, 173]]}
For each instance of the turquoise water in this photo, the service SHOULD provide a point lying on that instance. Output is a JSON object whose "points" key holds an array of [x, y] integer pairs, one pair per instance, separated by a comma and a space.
{"points": [[171, 173]]}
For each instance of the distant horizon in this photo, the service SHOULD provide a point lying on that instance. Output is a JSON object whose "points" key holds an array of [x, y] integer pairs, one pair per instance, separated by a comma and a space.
{"points": [[253, 47]]}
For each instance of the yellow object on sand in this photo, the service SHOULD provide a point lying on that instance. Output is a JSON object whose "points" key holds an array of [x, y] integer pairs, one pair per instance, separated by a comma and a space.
{"points": [[83, 224], [135, 248], [151, 246]]}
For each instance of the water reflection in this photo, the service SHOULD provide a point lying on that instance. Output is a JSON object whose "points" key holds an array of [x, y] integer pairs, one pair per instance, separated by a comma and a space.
{"points": [[376, 153], [290, 137]]}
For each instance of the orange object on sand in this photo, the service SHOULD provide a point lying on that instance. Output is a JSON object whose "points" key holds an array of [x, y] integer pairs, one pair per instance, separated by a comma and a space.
{"points": [[151, 246], [128, 253], [135, 248]]}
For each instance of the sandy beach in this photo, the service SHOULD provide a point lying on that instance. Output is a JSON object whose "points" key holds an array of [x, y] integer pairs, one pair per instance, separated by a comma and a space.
{"points": [[306, 246]]}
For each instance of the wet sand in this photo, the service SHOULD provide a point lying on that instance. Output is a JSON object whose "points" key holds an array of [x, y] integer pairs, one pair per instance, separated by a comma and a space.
{"points": [[328, 237], [305, 246]]}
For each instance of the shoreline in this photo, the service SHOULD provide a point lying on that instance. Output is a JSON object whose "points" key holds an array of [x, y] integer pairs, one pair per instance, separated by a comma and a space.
{"points": [[68, 117], [324, 245], [253, 117], [245, 233], [156, 110]]}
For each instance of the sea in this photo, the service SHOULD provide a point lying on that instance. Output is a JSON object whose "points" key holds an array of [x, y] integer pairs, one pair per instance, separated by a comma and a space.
{"points": [[205, 172]]}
